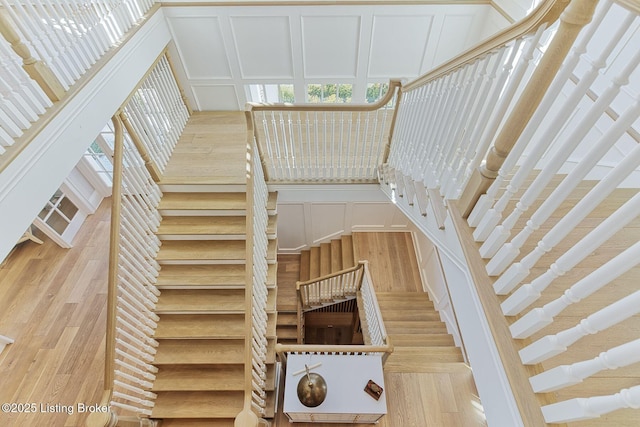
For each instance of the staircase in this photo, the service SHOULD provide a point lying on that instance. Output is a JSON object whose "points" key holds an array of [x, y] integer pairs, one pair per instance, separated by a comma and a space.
{"points": [[201, 331], [315, 262], [420, 340]]}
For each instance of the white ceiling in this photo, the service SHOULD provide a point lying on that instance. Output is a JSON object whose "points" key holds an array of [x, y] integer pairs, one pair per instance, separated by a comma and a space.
{"points": [[223, 48]]}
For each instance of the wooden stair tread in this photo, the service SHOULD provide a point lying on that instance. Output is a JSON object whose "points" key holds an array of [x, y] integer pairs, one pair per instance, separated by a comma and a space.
{"points": [[305, 264], [400, 326], [207, 275], [203, 201], [325, 259], [409, 314], [198, 404], [420, 340], [408, 304], [180, 351], [204, 352], [348, 260], [336, 255], [205, 326], [314, 263], [195, 326], [204, 225], [287, 333], [401, 366], [417, 355], [287, 319], [401, 296], [206, 300], [205, 377], [181, 250]]}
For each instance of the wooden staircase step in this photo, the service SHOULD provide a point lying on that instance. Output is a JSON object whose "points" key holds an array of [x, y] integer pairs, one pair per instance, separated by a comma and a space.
{"points": [[208, 228], [205, 377], [401, 296], [287, 333], [206, 326], [336, 256], [198, 404], [204, 202], [409, 314], [305, 265], [180, 351], [407, 326], [207, 276], [348, 260], [202, 251], [408, 303], [421, 340], [206, 301], [419, 366], [205, 352], [199, 378], [314, 264], [200, 326], [413, 355], [208, 252], [287, 319], [325, 259]]}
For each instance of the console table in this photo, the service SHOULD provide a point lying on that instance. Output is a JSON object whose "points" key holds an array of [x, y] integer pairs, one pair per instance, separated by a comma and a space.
{"points": [[346, 377]]}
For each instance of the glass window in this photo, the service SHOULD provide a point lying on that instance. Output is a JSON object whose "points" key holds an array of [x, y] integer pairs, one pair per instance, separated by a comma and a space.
{"points": [[329, 93], [271, 93]]}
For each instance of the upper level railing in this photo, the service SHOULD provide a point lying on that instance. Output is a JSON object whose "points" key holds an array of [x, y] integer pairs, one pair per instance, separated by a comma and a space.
{"points": [[47, 46], [133, 269], [256, 292], [544, 119], [321, 142]]}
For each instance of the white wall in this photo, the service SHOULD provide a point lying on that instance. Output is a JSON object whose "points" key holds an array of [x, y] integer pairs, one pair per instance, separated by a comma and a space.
{"points": [[309, 215], [516, 9], [300, 44], [30, 180]]}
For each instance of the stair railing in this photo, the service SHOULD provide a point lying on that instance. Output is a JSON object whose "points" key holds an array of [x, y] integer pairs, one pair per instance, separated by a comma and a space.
{"points": [[556, 95], [331, 288], [323, 142], [45, 48], [256, 291], [373, 326], [284, 350], [133, 269]]}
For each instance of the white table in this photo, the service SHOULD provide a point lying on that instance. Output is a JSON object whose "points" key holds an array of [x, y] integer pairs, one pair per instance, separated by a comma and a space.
{"points": [[346, 401]]}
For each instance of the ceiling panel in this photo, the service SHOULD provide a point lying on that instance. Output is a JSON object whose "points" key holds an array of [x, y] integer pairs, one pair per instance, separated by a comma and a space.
{"points": [[263, 46], [216, 97], [398, 45], [201, 48], [330, 45]]}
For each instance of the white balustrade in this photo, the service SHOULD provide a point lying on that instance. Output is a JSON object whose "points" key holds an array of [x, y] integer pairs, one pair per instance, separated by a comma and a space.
{"points": [[538, 318], [373, 315], [567, 375], [552, 345], [591, 407], [530, 292], [491, 218]]}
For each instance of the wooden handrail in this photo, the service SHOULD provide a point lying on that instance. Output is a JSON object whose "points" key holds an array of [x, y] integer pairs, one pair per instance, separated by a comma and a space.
{"points": [[247, 418], [576, 15], [97, 419], [151, 166], [324, 348], [547, 12], [331, 275], [36, 69], [393, 85]]}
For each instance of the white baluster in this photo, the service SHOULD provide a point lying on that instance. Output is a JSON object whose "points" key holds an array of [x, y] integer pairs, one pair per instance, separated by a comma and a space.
{"points": [[530, 292], [591, 407], [538, 318], [510, 250], [567, 375], [552, 345]]}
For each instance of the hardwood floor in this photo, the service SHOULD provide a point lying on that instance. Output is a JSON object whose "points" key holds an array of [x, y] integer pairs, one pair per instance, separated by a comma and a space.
{"points": [[431, 395], [53, 303]]}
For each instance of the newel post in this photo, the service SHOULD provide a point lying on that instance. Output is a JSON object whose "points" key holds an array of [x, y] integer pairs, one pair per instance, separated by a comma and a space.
{"points": [[577, 14], [35, 68]]}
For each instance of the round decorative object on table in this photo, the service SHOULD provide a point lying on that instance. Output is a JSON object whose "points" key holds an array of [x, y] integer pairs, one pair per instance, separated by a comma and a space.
{"points": [[312, 389]]}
